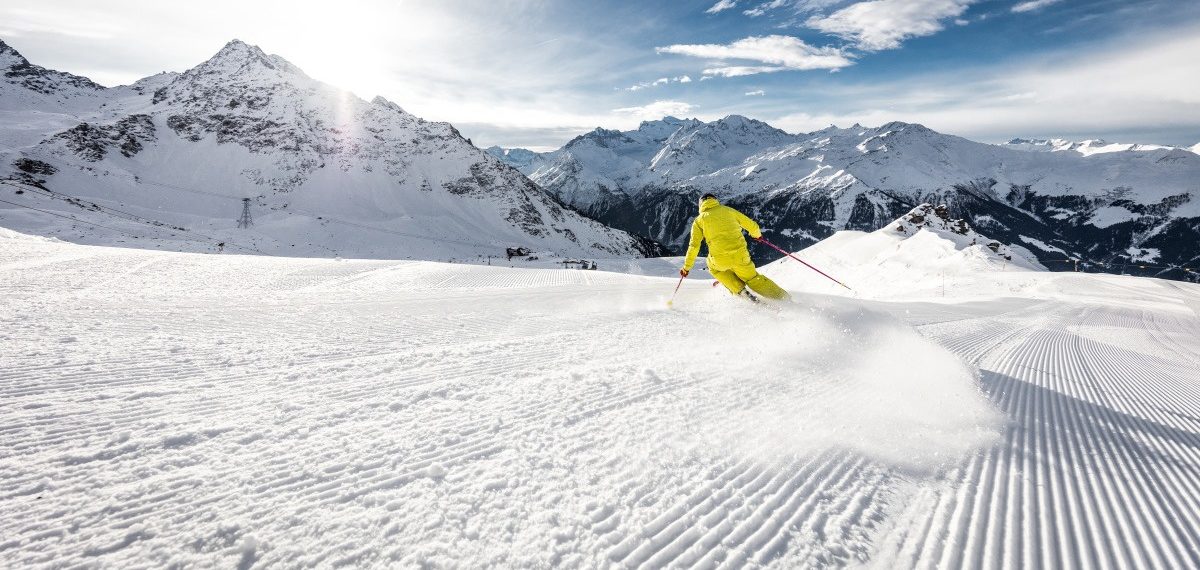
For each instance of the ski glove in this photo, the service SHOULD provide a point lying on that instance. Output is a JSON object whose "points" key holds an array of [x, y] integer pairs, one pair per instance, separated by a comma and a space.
{"points": [[683, 272]]}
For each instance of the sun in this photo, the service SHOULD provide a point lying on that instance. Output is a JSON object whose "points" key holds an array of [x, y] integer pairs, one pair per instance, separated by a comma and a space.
{"points": [[347, 46]]}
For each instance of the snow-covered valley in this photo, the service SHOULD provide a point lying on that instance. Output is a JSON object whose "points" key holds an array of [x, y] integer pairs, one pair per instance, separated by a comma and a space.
{"points": [[173, 409]]}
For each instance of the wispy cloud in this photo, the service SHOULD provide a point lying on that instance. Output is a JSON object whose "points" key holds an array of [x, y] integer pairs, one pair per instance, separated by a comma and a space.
{"points": [[658, 82], [780, 52], [657, 109], [877, 25], [1132, 87], [88, 24], [739, 71], [765, 7], [1032, 5], [721, 6], [756, 93]]}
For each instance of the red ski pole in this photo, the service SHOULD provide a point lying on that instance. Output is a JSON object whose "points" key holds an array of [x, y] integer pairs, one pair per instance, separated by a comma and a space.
{"points": [[672, 299], [780, 250]]}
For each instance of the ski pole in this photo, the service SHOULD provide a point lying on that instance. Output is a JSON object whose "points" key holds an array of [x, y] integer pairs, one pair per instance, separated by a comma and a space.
{"points": [[780, 250], [672, 299]]}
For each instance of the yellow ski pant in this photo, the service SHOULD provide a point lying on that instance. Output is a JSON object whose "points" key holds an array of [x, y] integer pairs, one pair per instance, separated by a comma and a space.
{"points": [[739, 276]]}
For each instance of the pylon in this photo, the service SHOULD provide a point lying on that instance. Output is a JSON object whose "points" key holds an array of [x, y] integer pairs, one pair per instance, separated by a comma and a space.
{"points": [[245, 221]]}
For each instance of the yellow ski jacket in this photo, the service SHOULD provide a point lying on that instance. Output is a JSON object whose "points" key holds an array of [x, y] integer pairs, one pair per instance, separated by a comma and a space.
{"points": [[721, 227]]}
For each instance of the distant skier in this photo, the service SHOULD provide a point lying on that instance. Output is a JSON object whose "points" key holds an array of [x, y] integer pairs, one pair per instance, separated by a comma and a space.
{"points": [[728, 258]]}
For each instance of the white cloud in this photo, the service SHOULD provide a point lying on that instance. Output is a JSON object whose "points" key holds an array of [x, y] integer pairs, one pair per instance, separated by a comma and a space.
{"points": [[756, 93], [739, 71], [782, 52], [658, 82], [88, 22], [1032, 5], [657, 110], [883, 24], [721, 6], [1128, 87], [765, 7]]}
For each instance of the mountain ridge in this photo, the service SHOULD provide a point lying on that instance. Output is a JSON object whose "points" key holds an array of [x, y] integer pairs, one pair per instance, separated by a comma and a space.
{"points": [[325, 171], [1104, 204]]}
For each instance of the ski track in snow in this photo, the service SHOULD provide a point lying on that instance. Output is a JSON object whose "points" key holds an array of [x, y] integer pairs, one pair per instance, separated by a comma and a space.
{"points": [[1098, 468], [229, 411]]}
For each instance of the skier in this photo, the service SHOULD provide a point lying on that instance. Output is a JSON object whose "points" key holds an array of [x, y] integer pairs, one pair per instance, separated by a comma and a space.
{"points": [[728, 259]]}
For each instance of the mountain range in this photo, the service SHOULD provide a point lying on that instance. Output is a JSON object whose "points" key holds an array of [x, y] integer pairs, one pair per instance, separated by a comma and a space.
{"points": [[1111, 207], [171, 161], [167, 161]]}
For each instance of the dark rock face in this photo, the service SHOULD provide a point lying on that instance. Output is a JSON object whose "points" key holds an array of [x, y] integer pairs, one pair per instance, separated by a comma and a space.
{"points": [[92, 142], [31, 166], [39, 79], [32, 172]]}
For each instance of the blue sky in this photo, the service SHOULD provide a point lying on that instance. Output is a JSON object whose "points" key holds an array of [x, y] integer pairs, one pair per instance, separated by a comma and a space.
{"points": [[535, 73]]}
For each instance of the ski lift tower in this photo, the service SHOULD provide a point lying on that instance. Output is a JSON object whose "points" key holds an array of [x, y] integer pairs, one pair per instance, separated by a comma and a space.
{"points": [[245, 221]]}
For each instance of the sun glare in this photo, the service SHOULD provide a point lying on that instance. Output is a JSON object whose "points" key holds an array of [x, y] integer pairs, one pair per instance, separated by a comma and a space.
{"points": [[347, 45]]}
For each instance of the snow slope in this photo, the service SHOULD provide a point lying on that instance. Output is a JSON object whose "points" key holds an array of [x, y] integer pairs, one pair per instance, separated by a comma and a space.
{"points": [[372, 413], [912, 255], [166, 163]]}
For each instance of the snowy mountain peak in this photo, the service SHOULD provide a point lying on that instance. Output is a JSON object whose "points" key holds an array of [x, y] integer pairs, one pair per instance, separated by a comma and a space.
{"points": [[663, 128], [238, 49], [908, 129], [239, 58], [380, 101], [665, 121], [930, 217], [937, 220], [8, 52], [703, 147], [600, 137], [328, 172], [19, 73], [746, 123]]}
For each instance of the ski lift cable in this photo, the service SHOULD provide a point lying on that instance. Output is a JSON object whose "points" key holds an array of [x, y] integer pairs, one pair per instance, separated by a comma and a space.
{"points": [[152, 182], [72, 218], [61, 196], [135, 218]]}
